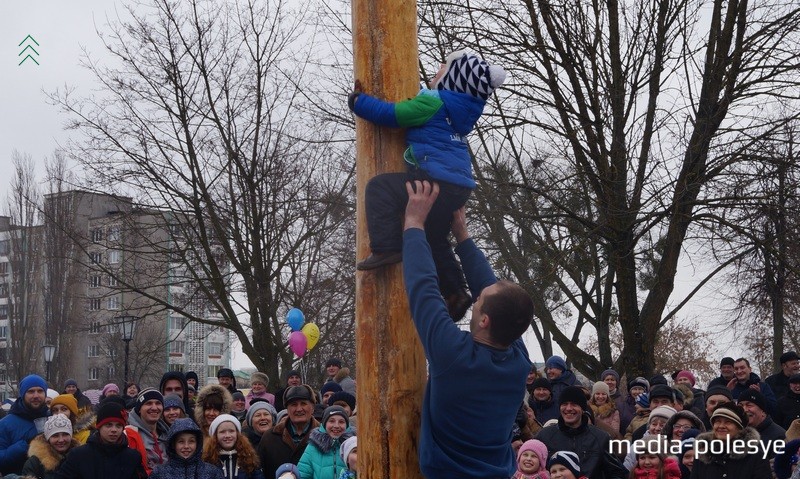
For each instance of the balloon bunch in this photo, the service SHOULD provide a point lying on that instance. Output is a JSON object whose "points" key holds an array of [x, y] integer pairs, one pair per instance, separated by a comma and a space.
{"points": [[303, 338]]}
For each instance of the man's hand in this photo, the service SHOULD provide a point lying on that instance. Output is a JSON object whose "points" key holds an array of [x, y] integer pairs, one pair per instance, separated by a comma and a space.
{"points": [[732, 384], [459, 225], [421, 197]]}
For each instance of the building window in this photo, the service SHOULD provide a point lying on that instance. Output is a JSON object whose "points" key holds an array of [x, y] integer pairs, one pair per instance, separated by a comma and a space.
{"points": [[4, 268], [94, 304], [114, 256], [95, 281], [112, 303], [176, 367], [94, 374], [213, 370], [94, 351], [114, 233], [177, 347], [112, 281], [95, 327], [3, 332], [4, 247], [3, 311], [97, 235], [177, 322], [3, 290], [96, 257], [111, 371], [215, 348]]}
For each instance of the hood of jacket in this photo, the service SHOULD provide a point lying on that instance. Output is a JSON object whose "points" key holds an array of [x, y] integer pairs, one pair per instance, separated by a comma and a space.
{"points": [[697, 423], [343, 373], [324, 442], [181, 426], [567, 377], [704, 454], [49, 457], [202, 396], [20, 409]]}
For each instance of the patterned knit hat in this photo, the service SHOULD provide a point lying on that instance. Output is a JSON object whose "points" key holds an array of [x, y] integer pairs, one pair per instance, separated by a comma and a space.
{"points": [[56, 424], [468, 73], [568, 459]]}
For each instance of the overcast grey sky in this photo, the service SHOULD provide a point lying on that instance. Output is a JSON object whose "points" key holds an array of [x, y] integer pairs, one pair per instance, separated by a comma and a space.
{"points": [[62, 29]]}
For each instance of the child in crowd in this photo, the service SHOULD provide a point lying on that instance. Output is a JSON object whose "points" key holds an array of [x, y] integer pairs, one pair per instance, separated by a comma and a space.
{"points": [[438, 121], [349, 453], [531, 461], [565, 465], [287, 471], [652, 461], [184, 447]]}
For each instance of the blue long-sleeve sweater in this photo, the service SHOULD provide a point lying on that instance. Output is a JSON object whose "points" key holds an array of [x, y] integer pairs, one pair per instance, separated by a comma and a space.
{"points": [[473, 390]]}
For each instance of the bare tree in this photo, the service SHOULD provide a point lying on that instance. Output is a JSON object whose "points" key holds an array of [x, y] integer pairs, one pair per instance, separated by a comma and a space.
{"points": [[201, 123], [24, 248], [618, 117]]}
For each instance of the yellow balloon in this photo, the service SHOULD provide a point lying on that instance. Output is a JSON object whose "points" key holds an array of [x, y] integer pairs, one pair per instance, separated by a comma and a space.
{"points": [[311, 332]]}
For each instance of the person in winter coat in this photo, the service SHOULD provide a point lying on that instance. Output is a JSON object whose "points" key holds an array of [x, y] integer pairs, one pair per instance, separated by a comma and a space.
{"points": [[681, 422], [641, 417], [82, 425], [652, 460], [438, 119], [258, 388], [18, 428], [174, 382], [541, 401], [145, 431], [287, 441], [626, 404], [655, 427], [71, 387], [229, 449], [293, 378], [728, 426], [559, 375], [212, 401], [259, 419], [604, 409], [745, 378], [786, 461], [349, 454], [789, 405], [686, 456], [532, 461], [322, 459], [564, 465], [173, 409], [49, 449], [106, 454], [184, 448]]}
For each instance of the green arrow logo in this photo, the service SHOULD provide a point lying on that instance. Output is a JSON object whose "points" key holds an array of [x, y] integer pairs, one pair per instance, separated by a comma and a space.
{"points": [[28, 47]]}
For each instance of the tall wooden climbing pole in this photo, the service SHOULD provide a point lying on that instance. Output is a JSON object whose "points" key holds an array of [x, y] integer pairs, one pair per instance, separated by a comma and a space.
{"points": [[391, 363]]}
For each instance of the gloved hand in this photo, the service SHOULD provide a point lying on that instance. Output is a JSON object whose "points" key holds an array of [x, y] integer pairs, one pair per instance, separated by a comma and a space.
{"points": [[351, 99]]}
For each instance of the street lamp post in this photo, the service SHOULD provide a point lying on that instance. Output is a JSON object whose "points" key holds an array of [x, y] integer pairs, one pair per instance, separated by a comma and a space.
{"points": [[49, 352], [128, 324]]}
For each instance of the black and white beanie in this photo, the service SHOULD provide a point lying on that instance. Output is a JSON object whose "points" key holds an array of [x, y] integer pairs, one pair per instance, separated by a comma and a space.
{"points": [[468, 73], [568, 459]]}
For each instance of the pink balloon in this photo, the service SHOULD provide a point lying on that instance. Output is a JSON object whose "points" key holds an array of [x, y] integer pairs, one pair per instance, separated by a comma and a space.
{"points": [[298, 343]]}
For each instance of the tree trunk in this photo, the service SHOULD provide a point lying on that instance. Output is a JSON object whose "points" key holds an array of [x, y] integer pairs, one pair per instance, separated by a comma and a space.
{"points": [[391, 363]]}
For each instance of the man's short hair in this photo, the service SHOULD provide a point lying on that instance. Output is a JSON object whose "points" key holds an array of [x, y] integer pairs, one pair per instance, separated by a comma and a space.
{"points": [[745, 361], [510, 310]]}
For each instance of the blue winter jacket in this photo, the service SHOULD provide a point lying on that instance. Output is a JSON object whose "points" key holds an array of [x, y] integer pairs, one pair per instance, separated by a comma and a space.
{"points": [[321, 459], [474, 391], [18, 429], [179, 468], [438, 123]]}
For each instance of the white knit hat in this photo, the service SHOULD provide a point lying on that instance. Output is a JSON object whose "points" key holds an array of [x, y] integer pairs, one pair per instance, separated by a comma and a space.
{"points": [[347, 447], [212, 429], [57, 423]]}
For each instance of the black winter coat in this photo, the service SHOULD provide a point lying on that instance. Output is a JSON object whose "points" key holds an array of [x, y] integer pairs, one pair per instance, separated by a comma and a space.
{"points": [[277, 447], [729, 465], [96, 460], [788, 410], [589, 443]]}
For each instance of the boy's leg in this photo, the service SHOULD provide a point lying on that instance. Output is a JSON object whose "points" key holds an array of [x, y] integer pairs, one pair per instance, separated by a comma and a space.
{"points": [[452, 283], [385, 199]]}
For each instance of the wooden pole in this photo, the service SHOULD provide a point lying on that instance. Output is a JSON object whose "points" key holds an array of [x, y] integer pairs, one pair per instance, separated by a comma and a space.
{"points": [[391, 363]]}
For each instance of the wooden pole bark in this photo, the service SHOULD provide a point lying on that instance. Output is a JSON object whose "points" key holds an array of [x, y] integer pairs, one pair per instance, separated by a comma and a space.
{"points": [[391, 363]]}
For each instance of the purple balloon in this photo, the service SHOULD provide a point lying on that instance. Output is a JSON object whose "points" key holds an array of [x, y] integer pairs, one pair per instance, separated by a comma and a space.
{"points": [[298, 343]]}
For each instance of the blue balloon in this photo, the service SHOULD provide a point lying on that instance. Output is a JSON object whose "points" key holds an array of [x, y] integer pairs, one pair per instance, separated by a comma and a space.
{"points": [[295, 319]]}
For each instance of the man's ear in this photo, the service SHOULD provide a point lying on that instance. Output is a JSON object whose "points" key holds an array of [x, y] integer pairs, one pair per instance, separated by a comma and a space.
{"points": [[485, 321]]}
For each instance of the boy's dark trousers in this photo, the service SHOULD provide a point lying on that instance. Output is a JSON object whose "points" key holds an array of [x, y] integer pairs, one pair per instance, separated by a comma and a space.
{"points": [[386, 198]]}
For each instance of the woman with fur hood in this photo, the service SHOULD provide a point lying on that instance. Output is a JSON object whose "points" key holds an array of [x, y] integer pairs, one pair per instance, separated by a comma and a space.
{"points": [[49, 449], [321, 459], [211, 401], [681, 422], [723, 452]]}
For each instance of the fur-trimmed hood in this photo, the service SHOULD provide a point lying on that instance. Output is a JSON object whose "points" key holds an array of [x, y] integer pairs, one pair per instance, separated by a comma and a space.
{"points": [[48, 456], [343, 373], [202, 396], [324, 442], [697, 423], [705, 455]]}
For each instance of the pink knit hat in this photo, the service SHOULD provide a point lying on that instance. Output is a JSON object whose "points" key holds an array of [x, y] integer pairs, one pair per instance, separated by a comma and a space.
{"points": [[688, 375], [538, 448]]}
